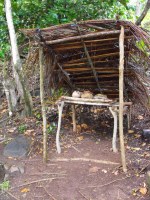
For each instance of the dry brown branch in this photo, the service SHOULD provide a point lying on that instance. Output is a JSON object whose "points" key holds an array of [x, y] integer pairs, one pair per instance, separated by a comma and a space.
{"points": [[99, 63], [36, 181], [66, 75], [109, 183], [89, 59], [10, 194], [85, 160], [144, 168], [49, 194], [76, 149], [44, 173], [94, 57], [84, 195]]}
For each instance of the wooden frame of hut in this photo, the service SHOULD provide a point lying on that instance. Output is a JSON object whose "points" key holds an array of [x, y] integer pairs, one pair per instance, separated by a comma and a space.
{"points": [[105, 56]]}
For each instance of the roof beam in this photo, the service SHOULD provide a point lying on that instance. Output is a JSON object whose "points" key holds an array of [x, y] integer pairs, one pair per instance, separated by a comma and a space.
{"points": [[90, 35]]}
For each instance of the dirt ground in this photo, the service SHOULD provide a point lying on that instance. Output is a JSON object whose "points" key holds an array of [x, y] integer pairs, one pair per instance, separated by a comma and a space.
{"points": [[87, 169]]}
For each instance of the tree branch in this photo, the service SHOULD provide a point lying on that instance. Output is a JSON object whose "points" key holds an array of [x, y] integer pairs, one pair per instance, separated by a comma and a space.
{"points": [[144, 13]]}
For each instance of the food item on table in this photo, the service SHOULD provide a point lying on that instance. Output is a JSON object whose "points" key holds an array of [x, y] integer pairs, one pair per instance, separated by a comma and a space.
{"points": [[87, 95], [76, 94]]}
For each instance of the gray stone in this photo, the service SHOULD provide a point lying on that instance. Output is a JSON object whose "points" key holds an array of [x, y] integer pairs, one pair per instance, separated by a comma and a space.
{"points": [[6, 177], [18, 147], [14, 169], [6, 166], [21, 168]]}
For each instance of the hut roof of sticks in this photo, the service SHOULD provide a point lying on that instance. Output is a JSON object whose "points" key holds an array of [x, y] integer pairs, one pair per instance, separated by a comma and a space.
{"points": [[85, 55]]}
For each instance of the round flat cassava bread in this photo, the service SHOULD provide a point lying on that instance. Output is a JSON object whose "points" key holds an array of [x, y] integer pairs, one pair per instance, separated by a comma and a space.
{"points": [[87, 95]]}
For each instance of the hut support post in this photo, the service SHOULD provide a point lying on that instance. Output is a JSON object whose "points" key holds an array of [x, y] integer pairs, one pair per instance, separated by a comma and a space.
{"points": [[42, 103], [121, 74], [114, 114], [74, 118], [60, 109]]}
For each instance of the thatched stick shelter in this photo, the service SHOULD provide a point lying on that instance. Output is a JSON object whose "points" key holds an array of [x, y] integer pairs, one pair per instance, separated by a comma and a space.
{"points": [[86, 55]]}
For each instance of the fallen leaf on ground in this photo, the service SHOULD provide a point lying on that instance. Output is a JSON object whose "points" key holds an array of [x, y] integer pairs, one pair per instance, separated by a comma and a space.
{"points": [[3, 111], [80, 138], [115, 172], [130, 131], [28, 132], [135, 148], [143, 190], [144, 144], [140, 117], [93, 169], [134, 192], [12, 158], [104, 170], [78, 129], [84, 126], [25, 190], [137, 136], [11, 130]]}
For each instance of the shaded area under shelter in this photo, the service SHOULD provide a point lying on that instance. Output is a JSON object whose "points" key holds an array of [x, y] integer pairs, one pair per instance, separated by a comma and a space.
{"points": [[103, 56]]}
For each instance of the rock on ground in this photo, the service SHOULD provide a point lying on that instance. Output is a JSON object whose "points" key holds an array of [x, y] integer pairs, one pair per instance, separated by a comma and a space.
{"points": [[18, 147]]}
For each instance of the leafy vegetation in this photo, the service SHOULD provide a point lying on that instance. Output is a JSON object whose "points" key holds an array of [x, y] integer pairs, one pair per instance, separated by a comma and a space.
{"points": [[38, 14], [5, 185], [51, 128], [22, 128]]}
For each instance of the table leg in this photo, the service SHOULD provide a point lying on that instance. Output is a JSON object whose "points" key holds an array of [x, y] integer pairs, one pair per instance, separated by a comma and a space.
{"points": [[114, 140], [74, 118], [60, 109], [129, 117]]}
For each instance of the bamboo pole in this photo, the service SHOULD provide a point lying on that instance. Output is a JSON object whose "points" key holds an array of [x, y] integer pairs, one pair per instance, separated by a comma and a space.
{"points": [[121, 103], [43, 104]]}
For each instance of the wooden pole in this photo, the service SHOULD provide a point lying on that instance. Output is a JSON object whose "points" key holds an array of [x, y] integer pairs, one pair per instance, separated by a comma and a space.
{"points": [[74, 118], [121, 103], [113, 111], [42, 103], [89, 59], [60, 110], [87, 36]]}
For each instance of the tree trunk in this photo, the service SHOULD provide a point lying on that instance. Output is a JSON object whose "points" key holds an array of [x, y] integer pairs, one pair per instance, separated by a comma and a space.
{"points": [[9, 88], [137, 10], [144, 13], [43, 104], [17, 65]]}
